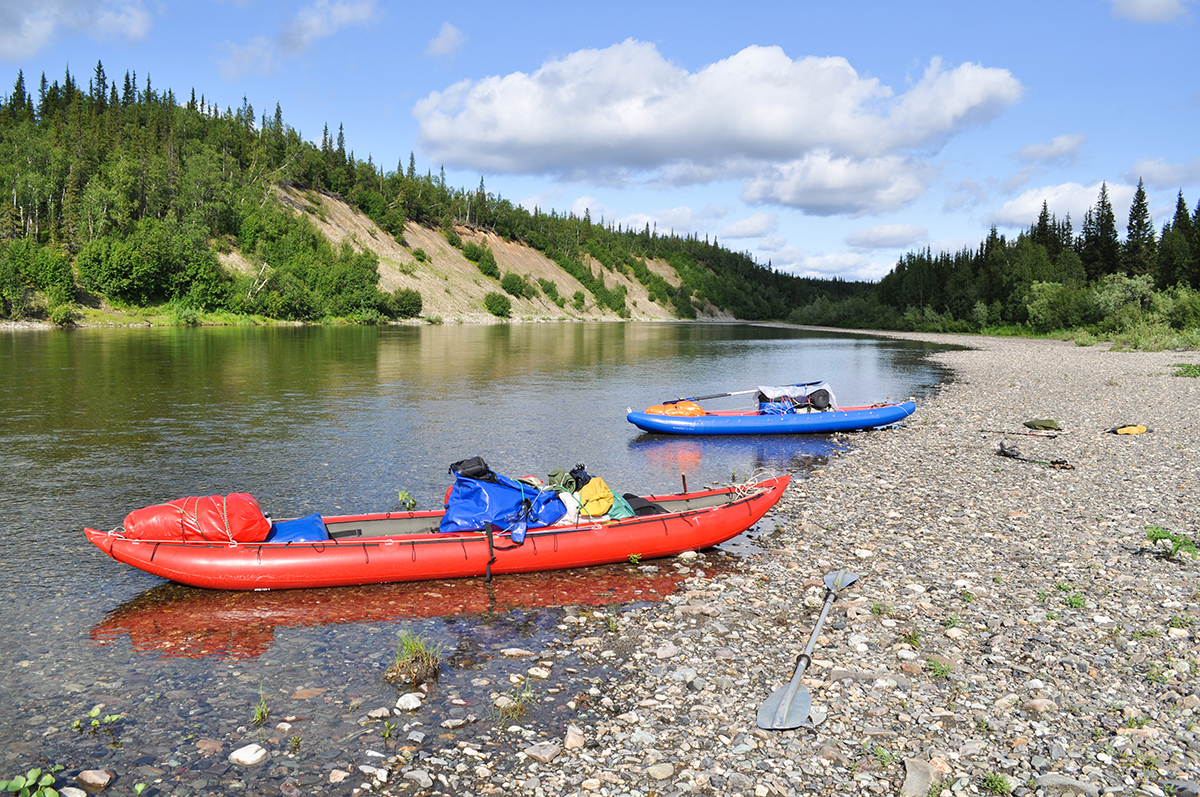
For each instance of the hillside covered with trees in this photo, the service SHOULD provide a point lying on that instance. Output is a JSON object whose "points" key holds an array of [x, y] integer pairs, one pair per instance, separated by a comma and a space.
{"points": [[121, 194]]}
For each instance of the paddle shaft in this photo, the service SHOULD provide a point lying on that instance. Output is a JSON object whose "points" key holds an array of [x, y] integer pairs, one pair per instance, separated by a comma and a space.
{"points": [[713, 396], [738, 393], [802, 662]]}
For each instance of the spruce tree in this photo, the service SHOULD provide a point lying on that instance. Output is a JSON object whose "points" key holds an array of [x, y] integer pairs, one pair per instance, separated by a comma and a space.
{"points": [[1100, 248], [1137, 255]]}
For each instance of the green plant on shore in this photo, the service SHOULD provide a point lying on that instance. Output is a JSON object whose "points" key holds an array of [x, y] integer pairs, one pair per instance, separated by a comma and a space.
{"points": [[635, 558], [1180, 621], [261, 711], [884, 758], [966, 597], [1064, 586], [880, 608], [995, 783], [517, 704], [913, 637], [1074, 600], [1186, 369], [1171, 543], [951, 620], [97, 722], [34, 783], [940, 669], [294, 744], [1155, 674], [407, 502], [981, 724], [417, 661]]}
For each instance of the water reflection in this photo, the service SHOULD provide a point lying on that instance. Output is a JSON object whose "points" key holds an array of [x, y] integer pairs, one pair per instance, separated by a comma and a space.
{"points": [[777, 454], [172, 620]]}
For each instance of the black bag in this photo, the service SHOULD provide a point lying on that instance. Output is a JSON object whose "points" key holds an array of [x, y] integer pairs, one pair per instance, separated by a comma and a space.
{"points": [[580, 476], [641, 507], [473, 468], [819, 399]]}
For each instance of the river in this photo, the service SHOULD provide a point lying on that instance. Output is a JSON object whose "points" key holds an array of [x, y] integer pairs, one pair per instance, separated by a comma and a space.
{"points": [[97, 422]]}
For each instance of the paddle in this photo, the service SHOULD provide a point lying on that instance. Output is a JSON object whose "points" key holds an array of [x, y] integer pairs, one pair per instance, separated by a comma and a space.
{"points": [[788, 706], [713, 396]]}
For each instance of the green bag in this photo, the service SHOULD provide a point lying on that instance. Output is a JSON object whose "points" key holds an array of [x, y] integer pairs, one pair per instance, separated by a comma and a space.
{"points": [[562, 479]]}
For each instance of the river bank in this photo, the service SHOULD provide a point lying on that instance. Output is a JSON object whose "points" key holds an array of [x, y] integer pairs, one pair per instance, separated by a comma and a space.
{"points": [[1011, 620]]}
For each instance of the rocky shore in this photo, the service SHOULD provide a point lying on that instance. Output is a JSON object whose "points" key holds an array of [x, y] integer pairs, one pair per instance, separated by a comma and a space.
{"points": [[1012, 629]]}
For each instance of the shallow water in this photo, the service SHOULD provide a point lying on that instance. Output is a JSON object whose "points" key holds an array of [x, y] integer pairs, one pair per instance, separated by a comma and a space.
{"points": [[96, 422]]}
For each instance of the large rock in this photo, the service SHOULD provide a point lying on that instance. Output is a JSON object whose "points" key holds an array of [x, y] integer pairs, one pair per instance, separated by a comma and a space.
{"points": [[543, 752], [919, 777], [248, 756]]}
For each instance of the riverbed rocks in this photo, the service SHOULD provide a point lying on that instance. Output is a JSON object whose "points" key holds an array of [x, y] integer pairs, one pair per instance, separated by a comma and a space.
{"points": [[1012, 630]]}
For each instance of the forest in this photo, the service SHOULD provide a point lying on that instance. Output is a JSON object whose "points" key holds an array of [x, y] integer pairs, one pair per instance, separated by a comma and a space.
{"points": [[120, 194], [1143, 291], [124, 194]]}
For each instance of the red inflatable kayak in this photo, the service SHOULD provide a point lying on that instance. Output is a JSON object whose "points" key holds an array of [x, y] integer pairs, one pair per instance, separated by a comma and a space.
{"points": [[407, 546]]}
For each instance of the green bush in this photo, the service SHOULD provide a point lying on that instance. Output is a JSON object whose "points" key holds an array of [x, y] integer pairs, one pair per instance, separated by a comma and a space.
{"points": [[577, 300], [473, 251], [64, 315], [406, 303], [420, 256], [518, 286], [498, 304], [487, 265], [453, 237]]}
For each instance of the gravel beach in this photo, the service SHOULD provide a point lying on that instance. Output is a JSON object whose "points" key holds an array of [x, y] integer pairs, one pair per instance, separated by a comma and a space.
{"points": [[1012, 629]]}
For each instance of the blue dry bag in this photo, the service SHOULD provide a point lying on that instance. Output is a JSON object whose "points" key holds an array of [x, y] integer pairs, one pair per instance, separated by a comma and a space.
{"points": [[477, 500]]}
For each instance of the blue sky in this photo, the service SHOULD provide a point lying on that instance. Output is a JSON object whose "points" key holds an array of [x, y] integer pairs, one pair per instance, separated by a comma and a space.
{"points": [[825, 138]]}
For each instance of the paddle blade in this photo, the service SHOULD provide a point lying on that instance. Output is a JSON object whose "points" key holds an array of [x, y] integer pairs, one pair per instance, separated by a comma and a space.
{"points": [[786, 708], [839, 579]]}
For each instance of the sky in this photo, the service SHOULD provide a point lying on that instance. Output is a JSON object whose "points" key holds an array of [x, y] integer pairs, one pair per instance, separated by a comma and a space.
{"points": [[824, 139]]}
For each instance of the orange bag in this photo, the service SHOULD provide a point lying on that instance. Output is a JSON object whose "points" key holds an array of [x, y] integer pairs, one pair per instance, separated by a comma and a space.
{"points": [[215, 518], [687, 408]]}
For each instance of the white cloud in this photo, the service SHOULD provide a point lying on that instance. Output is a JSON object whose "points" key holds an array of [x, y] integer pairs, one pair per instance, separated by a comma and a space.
{"points": [[448, 41], [755, 226], [1150, 11], [256, 56], [823, 185], [311, 24], [1071, 198], [25, 27], [323, 19], [1060, 149], [965, 194], [681, 220], [1159, 174], [594, 208], [887, 236], [810, 133], [847, 266]]}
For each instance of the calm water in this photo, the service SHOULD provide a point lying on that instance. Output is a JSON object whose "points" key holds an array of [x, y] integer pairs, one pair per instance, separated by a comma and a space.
{"points": [[94, 423]]}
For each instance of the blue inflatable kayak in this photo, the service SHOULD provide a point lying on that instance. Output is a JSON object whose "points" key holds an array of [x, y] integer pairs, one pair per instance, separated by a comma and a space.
{"points": [[846, 419]]}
